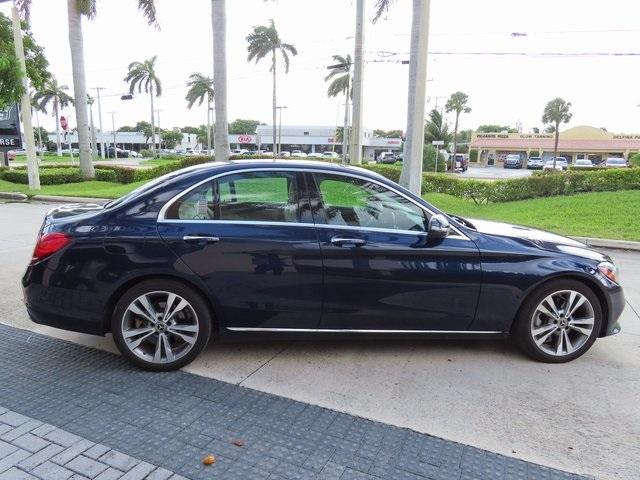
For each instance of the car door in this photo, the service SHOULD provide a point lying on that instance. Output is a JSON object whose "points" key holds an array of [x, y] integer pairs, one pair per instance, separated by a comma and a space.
{"points": [[249, 236], [381, 272]]}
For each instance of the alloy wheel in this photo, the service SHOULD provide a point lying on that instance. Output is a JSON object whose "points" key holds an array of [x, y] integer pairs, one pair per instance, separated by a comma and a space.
{"points": [[160, 327], [562, 322]]}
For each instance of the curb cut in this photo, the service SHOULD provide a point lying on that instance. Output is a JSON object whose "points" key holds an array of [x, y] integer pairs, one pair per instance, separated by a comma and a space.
{"points": [[61, 199], [610, 243], [13, 196]]}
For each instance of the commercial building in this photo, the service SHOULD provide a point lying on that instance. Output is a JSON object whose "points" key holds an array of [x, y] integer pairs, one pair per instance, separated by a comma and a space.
{"points": [[582, 142], [125, 140]]}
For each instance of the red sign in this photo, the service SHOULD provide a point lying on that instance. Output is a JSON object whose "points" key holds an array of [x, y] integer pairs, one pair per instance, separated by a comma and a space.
{"points": [[63, 123], [245, 139]]}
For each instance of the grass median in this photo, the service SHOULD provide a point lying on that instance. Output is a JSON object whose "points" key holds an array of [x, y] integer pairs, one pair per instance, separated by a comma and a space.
{"points": [[598, 214]]}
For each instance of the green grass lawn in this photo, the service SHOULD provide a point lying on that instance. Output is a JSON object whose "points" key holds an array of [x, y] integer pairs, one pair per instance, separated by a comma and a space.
{"points": [[598, 214]]}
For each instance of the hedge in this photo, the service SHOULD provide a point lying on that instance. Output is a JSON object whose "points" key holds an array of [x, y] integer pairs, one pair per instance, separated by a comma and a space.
{"points": [[53, 176]]}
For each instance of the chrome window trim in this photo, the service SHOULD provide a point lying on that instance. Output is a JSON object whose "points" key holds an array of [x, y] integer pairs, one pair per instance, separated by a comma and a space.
{"points": [[348, 330], [162, 219]]}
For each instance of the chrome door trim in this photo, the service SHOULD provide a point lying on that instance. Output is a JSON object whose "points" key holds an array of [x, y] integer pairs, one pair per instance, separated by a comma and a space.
{"points": [[339, 330], [166, 206]]}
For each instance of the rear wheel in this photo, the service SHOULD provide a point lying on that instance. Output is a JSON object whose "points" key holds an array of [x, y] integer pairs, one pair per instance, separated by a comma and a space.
{"points": [[161, 325], [559, 322]]}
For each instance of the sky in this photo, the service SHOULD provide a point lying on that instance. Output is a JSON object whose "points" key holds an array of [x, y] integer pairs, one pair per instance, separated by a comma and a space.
{"points": [[502, 89]]}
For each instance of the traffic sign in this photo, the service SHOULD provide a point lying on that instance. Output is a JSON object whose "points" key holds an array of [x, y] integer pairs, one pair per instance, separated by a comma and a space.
{"points": [[437, 142]]}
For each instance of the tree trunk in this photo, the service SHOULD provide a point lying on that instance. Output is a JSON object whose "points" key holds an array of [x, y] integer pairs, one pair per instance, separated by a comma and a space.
{"points": [[153, 122], [79, 88], [208, 125], [411, 176], [555, 145], [455, 142], [25, 105], [273, 67], [221, 125], [358, 73], [56, 111], [345, 129]]}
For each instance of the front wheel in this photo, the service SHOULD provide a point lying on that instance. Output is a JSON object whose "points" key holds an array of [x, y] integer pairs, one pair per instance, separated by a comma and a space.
{"points": [[559, 322], [161, 325]]}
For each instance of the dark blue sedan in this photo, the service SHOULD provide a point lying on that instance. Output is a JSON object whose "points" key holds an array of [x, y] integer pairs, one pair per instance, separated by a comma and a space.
{"points": [[295, 248]]}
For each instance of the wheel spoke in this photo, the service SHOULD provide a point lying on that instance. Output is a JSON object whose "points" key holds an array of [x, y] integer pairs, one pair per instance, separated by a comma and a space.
{"points": [[157, 356], [582, 321], [168, 304], [136, 331], [148, 306], [182, 304], [573, 304], [186, 338], [559, 344], [544, 332], [582, 325], [167, 348], [567, 342], [136, 343], [183, 328], [550, 311]]}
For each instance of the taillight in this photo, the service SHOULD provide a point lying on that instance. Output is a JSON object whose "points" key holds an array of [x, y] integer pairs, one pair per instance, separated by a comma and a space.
{"points": [[49, 244]]}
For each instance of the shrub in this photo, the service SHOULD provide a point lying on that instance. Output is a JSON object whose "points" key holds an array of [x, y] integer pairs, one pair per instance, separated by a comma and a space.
{"points": [[634, 160], [429, 154], [48, 176], [473, 156], [146, 153], [389, 171]]}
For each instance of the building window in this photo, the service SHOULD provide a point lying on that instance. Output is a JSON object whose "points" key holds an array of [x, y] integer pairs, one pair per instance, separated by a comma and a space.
{"points": [[306, 133]]}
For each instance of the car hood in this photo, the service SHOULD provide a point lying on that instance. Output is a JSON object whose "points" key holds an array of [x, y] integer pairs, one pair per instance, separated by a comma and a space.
{"points": [[538, 238]]}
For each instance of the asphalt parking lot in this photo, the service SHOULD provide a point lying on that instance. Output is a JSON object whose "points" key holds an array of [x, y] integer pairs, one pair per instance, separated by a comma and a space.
{"points": [[582, 417], [494, 173]]}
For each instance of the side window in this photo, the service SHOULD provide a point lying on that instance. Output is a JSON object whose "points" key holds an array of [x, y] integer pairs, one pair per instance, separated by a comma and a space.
{"points": [[362, 203], [251, 196]]}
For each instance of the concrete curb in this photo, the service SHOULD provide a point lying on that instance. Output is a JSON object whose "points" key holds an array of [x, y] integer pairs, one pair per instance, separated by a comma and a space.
{"points": [[13, 196], [62, 199], [609, 243]]}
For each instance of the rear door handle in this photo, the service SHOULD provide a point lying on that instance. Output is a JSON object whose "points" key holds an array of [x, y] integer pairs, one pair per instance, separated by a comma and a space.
{"points": [[200, 239], [345, 241]]}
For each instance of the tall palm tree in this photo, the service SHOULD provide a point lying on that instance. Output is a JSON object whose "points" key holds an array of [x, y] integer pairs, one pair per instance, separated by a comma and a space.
{"points": [[264, 40], [436, 128], [57, 94], [555, 113], [221, 130], [457, 103], [143, 75], [341, 83], [75, 10], [413, 148], [201, 86]]}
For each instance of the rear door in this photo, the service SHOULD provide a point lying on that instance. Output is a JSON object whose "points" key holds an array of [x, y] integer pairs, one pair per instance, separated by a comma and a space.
{"points": [[250, 237], [380, 270]]}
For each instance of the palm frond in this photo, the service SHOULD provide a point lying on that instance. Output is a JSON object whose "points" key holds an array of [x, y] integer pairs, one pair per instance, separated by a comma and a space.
{"points": [[86, 8], [24, 8], [148, 9], [382, 7]]}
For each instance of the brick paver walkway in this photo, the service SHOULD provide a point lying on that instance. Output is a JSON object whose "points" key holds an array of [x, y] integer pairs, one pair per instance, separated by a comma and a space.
{"points": [[120, 416]]}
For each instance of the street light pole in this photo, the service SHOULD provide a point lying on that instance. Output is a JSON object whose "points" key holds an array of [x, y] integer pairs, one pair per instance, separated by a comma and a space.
{"points": [[100, 122], [113, 129], [279, 131], [159, 131], [358, 71]]}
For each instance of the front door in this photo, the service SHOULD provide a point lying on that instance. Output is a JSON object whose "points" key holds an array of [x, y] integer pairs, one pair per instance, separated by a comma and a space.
{"points": [[380, 270], [245, 235]]}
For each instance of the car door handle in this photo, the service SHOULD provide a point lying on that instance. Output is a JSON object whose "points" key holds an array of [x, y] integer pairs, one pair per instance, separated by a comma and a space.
{"points": [[200, 239], [344, 241]]}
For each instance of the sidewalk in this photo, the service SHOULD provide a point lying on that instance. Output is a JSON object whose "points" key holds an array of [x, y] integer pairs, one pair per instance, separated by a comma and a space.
{"points": [[171, 420]]}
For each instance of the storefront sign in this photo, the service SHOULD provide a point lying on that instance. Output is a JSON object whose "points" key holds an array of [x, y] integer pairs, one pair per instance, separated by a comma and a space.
{"points": [[10, 128]]}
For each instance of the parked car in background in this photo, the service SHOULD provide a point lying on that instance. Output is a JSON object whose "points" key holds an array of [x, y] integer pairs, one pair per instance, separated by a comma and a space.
{"points": [[298, 154], [615, 162], [387, 157], [284, 154], [583, 163], [535, 163], [120, 153], [133, 154], [277, 226], [239, 151], [549, 165], [562, 161], [330, 155], [400, 157], [461, 162], [314, 155], [513, 161]]}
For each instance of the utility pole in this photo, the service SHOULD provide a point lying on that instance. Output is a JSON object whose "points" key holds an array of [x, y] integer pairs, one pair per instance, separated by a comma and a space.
{"points": [[100, 122], [159, 132], [280, 129], [113, 129], [358, 70], [94, 145], [411, 176], [25, 104]]}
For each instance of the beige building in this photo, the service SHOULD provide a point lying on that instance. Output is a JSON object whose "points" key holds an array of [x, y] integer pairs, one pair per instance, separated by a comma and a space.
{"points": [[575, 143]]}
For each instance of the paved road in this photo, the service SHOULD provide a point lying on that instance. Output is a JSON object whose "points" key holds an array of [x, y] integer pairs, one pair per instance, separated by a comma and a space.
{"points": [[494, 173], [582, 417]]}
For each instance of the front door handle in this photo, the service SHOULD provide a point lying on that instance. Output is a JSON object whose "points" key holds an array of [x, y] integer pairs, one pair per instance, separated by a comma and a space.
{"points": [[200, 239], [344, 241]]}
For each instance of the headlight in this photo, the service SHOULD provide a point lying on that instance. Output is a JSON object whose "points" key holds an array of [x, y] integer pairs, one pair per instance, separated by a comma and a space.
{"points": [[609, 270]]}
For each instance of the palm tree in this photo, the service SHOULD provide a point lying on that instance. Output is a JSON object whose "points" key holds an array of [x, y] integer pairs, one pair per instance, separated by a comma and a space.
{"points": [[75, 10], [200, 87], [264, 40], [341, 82], [437, 129], [221, 130], [143, 75], [555, 113], [457, 103], [57, 94]]}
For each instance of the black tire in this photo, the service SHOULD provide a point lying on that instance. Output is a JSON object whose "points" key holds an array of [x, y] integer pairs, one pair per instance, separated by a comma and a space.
{"points": [[196, 301], [522, 326]]}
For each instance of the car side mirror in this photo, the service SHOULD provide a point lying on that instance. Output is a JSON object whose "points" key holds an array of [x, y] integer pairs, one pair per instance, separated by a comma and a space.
{"points": [[438, 227]]}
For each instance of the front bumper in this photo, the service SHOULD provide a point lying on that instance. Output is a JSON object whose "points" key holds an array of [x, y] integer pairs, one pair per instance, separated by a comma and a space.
{"points": [[615, 306]]}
